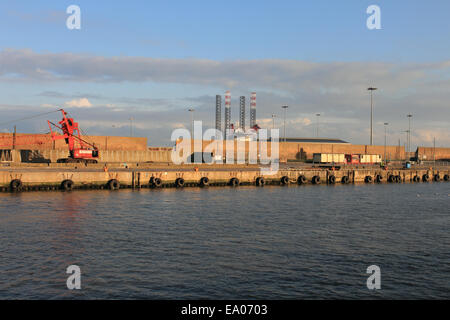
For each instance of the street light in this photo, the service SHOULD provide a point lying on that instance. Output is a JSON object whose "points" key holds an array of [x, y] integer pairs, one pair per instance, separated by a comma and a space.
{"points": [[192, 122], [284, 107], [406, 146], [385, 140], [371, 89], [318, 115], [409, 132], [434, 152], [273, 120]]}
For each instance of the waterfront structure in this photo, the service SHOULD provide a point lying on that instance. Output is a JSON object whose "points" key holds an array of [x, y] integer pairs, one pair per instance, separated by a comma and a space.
{"points": [[253, 110]]}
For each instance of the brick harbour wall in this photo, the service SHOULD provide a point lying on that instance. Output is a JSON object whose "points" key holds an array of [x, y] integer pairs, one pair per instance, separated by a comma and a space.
{"points": [[24, 141], [43, 156], [305, 151], [296, 151], [429, 153]]}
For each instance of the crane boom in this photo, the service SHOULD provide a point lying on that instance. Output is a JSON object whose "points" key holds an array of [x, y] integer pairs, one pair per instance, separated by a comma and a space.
{"points": [[79, 149]]}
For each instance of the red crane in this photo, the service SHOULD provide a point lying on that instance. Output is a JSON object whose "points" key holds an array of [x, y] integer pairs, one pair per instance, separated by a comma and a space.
{"points": [[80, 150]]}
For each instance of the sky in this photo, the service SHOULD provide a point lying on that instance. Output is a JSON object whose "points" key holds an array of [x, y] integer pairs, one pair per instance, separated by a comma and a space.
{"points": [[151, 61]]}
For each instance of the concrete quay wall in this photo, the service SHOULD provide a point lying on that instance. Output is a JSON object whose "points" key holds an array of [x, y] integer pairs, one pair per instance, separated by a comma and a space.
{"points": [[33, 179]]}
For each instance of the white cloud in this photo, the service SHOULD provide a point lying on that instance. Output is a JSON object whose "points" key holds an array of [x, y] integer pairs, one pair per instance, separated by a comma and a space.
{"points": [[427, 136], [338, 90], [178, 125], [332, 78], [300, 121], [78, 103]]}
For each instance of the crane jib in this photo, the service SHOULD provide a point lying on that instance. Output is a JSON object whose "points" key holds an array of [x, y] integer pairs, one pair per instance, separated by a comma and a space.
{"points": [[72, 135]]}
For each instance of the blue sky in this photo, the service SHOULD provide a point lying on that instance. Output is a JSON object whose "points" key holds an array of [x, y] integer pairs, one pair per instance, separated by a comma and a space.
{"points": [[314, 36], [305, 30]]}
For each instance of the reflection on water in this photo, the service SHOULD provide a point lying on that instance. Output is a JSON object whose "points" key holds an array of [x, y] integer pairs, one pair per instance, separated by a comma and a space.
{"points": [[225, 243]]}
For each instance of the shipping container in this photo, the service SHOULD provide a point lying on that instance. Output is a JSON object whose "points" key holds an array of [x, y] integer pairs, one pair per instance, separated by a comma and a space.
{"points": [[370, 158], [328, 157]]}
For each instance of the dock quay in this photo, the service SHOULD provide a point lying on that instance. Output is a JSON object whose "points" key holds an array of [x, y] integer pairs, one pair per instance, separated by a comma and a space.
{"points": [[72, 177]]}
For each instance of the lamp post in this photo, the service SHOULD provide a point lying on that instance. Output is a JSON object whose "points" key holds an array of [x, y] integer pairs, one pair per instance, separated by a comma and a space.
{"points": [[192, 122], [371, 89], [406, 146], [409, 132], [434, 152], [273, 120], [385, 140], [285, 108], [318, 117]]}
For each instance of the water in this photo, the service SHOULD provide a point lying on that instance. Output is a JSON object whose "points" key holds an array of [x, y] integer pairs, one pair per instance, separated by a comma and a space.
{"points": [[296, 242]]}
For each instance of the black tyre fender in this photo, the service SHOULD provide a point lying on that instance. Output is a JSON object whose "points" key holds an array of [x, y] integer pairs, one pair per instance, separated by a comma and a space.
{"points": [[204, 181], [67, 185], [155, 182], [315, 180], [378, 178], [446, 177], [391, 178], [113, 184], [345, 179], [301, 179], [437, 177], [425, 177], [179, 182], [416, 178], [284, 180], [260, 181], [368, 179], [332, 179], [234, 182], [15, 184]]}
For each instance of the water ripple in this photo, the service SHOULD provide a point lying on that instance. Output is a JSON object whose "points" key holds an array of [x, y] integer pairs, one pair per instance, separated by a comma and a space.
{"points": [[228, 243]]}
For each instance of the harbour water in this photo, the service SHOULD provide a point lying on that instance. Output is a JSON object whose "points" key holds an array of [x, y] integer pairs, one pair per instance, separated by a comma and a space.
{"points": [[297, 242]]}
